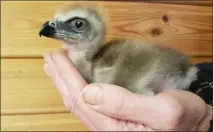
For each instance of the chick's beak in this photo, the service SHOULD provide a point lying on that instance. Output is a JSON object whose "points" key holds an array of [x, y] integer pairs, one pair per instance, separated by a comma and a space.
{"points": [[47, 30]]}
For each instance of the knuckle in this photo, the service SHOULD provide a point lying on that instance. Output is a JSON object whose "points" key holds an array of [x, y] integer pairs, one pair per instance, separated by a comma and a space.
{"points": [[70, 104], [67, 105], [121, 104]]}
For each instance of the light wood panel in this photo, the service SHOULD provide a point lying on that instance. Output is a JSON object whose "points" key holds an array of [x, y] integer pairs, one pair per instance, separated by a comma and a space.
{"points": [[186, 28], [25, 89], [46, 122]]}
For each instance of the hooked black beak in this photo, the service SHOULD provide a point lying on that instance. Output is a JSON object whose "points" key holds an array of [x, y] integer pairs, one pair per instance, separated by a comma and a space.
{"points": [[47, 30]]}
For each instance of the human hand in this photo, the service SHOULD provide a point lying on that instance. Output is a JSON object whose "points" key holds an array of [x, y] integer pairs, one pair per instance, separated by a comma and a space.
{"points": [[118, 108], [70, 85], [173, 110]]}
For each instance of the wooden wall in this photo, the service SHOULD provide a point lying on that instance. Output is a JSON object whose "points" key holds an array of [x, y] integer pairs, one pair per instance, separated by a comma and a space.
{"points": [[29, 101]]}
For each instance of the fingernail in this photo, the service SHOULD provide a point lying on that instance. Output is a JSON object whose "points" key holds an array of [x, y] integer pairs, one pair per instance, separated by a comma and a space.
{"points": [[54, 56], [92, 94], [45, 56]]}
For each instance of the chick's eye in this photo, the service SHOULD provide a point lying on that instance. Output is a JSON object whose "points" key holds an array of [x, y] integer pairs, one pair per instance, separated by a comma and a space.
{"points": [[79, 24]]}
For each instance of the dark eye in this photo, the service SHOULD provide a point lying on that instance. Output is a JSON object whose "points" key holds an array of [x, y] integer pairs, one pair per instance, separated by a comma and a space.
{"points": [[79, 24]]}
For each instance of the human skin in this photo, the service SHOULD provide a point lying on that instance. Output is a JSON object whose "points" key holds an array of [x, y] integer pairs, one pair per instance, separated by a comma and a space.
{"points": [[103, 107]]}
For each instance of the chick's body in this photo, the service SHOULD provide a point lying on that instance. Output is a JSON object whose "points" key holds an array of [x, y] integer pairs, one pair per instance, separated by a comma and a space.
{"points": [[139, 66]]}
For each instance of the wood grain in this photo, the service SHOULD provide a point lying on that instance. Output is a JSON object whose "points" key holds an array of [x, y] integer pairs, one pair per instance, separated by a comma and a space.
{"points": [[26, 89], [186, 28], [45, 122]]}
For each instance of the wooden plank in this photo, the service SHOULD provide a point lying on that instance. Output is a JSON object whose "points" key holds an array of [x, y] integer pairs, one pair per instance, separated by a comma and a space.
{"points": [[186, 28], [25, 89], [46, 122]]}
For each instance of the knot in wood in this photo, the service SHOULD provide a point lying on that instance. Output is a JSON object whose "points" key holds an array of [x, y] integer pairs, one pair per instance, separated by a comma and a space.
{"points": [[165, 18], [156, 31]]}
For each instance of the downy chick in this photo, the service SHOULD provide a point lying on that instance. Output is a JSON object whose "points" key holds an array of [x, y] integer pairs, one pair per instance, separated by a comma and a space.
{"points": [[139, 66]]}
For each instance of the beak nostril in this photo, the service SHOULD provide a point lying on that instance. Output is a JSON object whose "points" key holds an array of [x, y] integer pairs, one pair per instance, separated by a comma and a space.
{"points": [[53, 24]]}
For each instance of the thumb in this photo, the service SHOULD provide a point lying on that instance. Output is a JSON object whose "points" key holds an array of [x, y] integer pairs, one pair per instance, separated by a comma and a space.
{"points": [[118, 102]]}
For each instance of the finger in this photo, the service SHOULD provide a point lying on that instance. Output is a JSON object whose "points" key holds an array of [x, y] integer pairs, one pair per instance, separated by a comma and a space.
{"points": [[95, 120], [69, 73], [53, 73], [119, 103], [86, 115], [111, 100], [67, 100], [50, 71], [47, 70], [51, 63]]}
